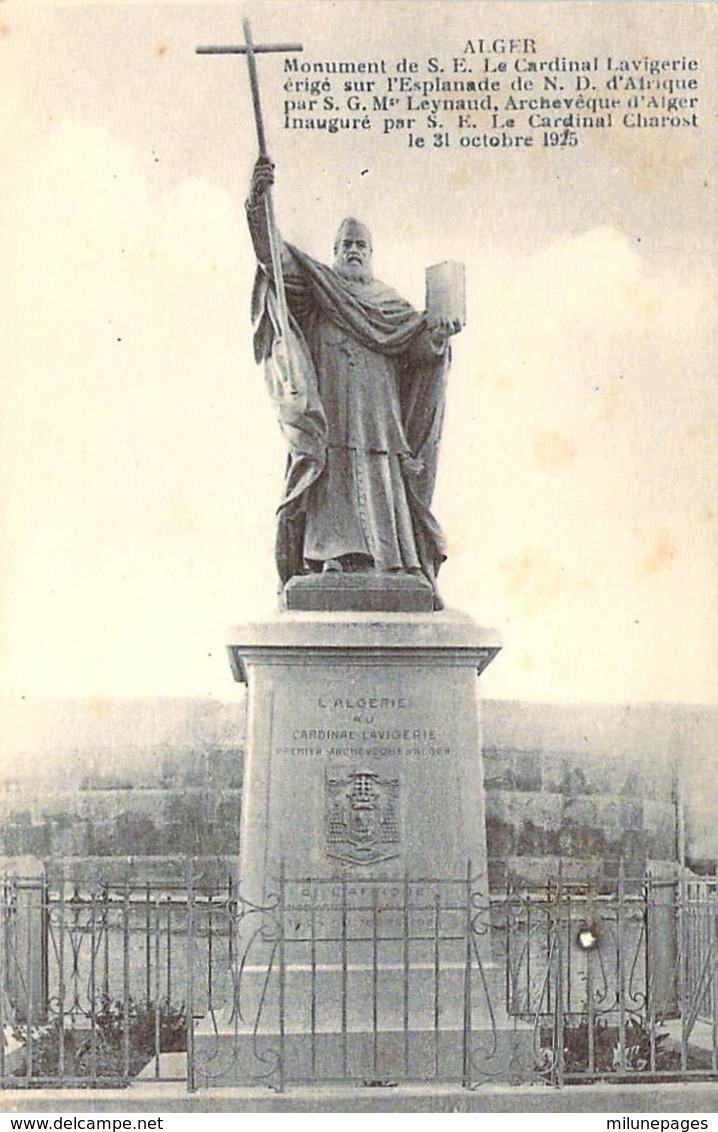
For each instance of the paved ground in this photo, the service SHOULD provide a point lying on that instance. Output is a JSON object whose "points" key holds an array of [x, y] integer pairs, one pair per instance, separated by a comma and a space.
{"points": [[156, 1097]]}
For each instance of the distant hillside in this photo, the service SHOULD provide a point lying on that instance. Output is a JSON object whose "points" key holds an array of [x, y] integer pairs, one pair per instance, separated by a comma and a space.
{"points": [[164, 775], [66, 739]]}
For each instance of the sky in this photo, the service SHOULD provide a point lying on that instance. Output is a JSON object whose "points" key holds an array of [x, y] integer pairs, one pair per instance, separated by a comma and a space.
{"points": [[140, 462]]}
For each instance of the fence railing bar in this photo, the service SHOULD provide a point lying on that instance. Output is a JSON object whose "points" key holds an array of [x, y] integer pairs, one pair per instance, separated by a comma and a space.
{"points": [[3, 976], [168, 951], [697, 987], [649, 972], [621, 968], [466, 1074], [344, 977], [406, 972], [590, 1002], [713, 928], [568, 951], [93, 986], [507, 940], [61, 983], [45, 937], [31, 967], [232, 909], [558, 995], [437, 978], [126, 980], [313, 986], [157, 996], [105, 934], [282, 978], [375, 988], [148, 948], [682, 888], [528, 952], [191, 1065], [549, 943], [210, 951]]}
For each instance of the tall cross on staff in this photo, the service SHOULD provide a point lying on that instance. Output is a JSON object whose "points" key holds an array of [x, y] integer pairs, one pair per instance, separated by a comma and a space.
{"points": [[250, 49]]}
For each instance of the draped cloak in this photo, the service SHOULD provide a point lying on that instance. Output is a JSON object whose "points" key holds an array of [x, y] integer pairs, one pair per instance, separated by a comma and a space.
{"points": [[360, 399]]}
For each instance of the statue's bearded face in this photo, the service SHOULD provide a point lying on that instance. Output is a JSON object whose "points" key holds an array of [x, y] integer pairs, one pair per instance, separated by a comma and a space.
{"points": [[352, 252]]}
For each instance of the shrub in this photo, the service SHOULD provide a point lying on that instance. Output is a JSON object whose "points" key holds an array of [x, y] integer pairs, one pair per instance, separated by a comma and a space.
{"points": [[607, 1054], [107, 1059]]}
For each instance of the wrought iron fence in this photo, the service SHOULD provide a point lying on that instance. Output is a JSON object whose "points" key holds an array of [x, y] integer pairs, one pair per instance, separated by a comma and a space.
{"points": [[366, 981], [625, 980], [698, 971], [95, 976], [370, 981]]}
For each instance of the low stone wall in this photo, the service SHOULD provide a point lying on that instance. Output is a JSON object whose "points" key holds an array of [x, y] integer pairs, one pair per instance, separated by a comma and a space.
{"points": [[587, 785], [588, 789]]}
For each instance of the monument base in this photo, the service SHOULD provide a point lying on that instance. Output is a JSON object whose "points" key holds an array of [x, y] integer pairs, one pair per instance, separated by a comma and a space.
{"points": [[372, 1036], [381, 593], [504, 1056], [363, 934]]}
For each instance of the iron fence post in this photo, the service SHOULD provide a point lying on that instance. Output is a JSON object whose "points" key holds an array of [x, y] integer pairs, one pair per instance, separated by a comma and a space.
{"points": [[682, 965], [148, 949], [374, 985], [106, 943], [713, 928], [558, 989], [621, 967], [437, 979], [30, 960], [648, 967], [590, 1005], [191, 1081], [529, 937], [93, 986], [466, 1075], [168, 956], [126, 977], [550, 941], [3, 979], [157, 998], [61, 981], [313, 983], [345, 974], [45, 944], [282, 974], [406, 969]]}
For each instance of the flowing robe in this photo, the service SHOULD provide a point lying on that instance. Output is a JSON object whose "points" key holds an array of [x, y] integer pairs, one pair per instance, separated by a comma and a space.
{"points": [[362, 411]]}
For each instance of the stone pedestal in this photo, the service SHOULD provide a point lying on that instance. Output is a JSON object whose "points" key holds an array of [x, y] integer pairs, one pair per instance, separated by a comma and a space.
{"points": [[363, 753], [364, 937]]}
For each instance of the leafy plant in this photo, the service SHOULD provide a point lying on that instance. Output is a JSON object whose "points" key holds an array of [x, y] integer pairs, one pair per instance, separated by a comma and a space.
{"points": [[607, 1048], [104, 1057]]}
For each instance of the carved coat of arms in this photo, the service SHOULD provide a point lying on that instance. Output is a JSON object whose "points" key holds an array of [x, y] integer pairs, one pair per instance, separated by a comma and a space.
{"points": [[362, 816]]}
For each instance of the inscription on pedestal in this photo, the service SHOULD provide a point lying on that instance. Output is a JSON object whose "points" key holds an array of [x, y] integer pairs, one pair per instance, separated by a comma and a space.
{"points": [[360, 728]]}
